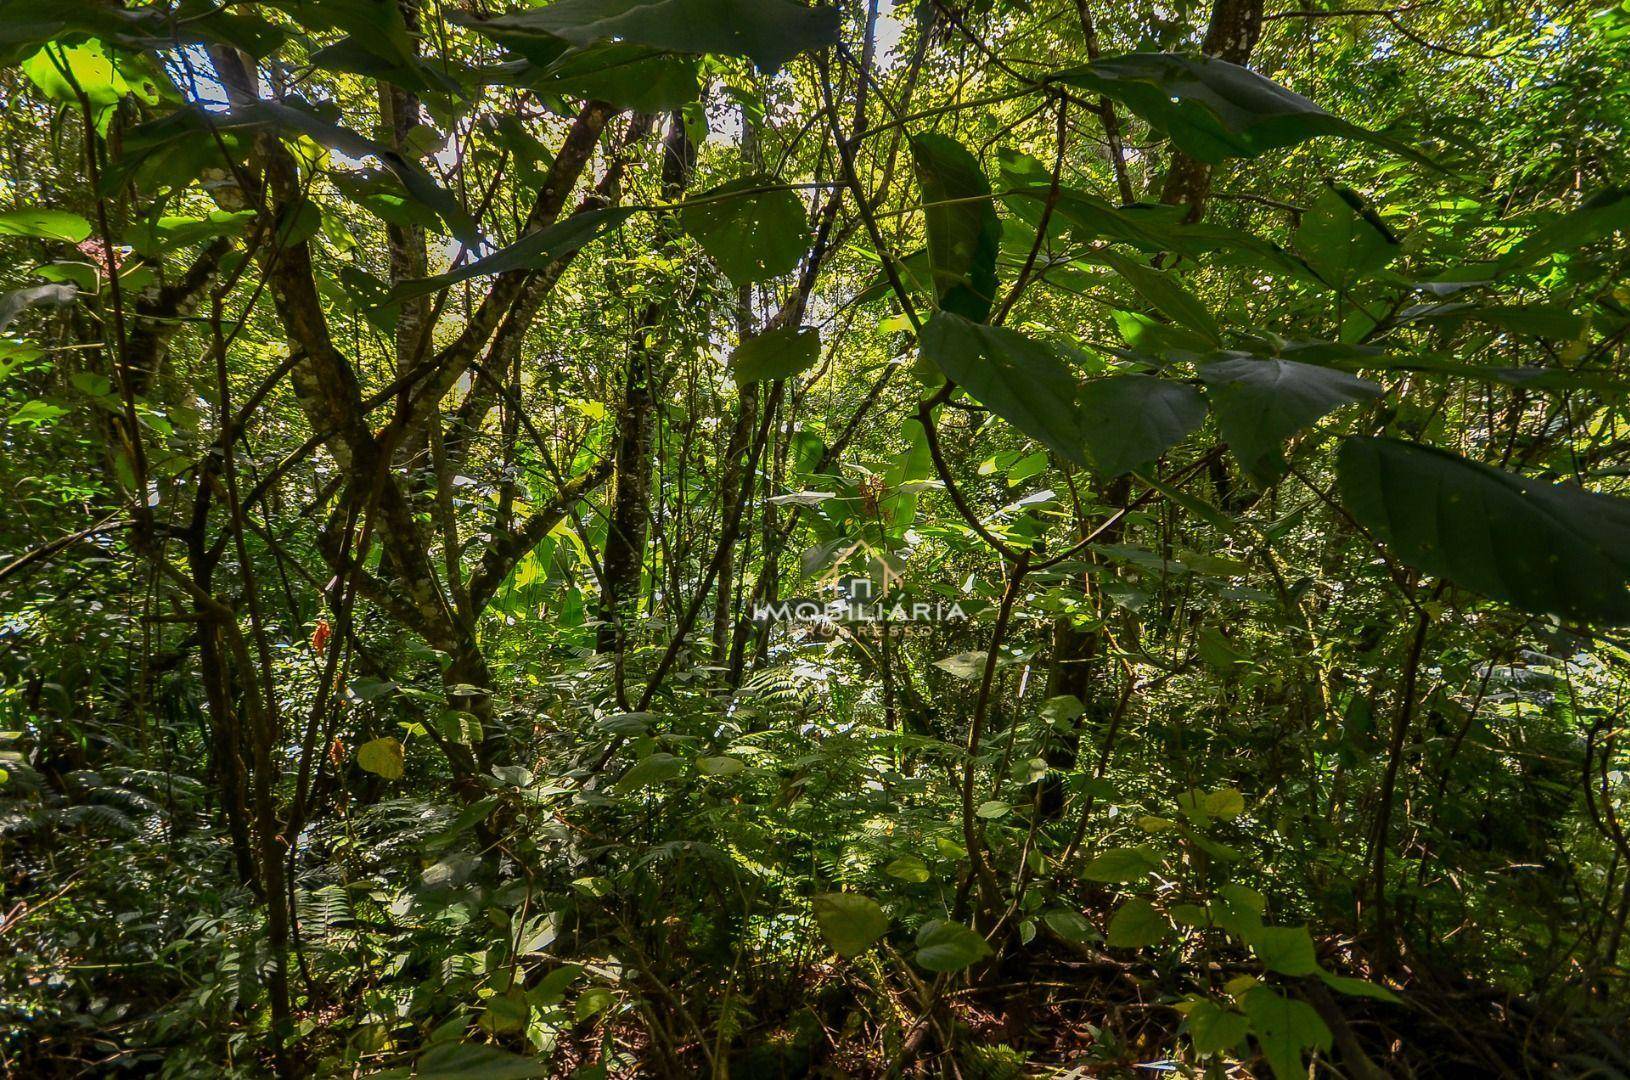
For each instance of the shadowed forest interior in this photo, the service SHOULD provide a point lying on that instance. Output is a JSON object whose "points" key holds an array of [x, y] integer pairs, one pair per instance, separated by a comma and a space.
{"points": [[814, 538]]}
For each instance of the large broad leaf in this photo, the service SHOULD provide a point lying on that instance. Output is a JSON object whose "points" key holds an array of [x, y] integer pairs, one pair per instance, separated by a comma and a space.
{"points": [[1343, 240], [1215, 1029], [1122, 864], [780, 353], [1136, 925], [1284, 1027], [25, 25], [755, 228], [476, 1061], [964, 233], [533, 251], [1285, 949], [1212, 109], [1540, 547], [849, 922], [1151, 227], [943, 945], [648, 771], [1021, 380], [375, 25], [1261, 403], [1129, 420], [382, 757], [770, 32], [1601, 216], [46, 224], [287, 118], [1164, 292], [634, 77], [354, 55]]}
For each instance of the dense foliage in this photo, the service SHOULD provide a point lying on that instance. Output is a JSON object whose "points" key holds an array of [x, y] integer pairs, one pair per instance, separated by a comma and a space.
{"points": [[978, 538]]}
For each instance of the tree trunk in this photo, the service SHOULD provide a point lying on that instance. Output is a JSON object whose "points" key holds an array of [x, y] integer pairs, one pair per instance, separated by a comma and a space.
{"points": [[631, 476], [1235, 27]]}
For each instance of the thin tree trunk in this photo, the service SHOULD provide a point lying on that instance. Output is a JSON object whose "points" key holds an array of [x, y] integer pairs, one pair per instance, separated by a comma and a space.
{"points": [[1232, 34], [631, 476]]}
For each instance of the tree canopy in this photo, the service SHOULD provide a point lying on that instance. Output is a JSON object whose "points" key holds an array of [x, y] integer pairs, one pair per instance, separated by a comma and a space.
{"points": [[765, 538]]}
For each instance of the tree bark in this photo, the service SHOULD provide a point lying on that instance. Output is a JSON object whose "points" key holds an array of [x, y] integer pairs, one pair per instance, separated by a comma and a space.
{"points": [[631, 471], [1235, 27]]}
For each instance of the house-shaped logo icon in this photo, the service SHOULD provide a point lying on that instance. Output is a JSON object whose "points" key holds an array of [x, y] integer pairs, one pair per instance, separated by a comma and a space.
{"points": [[884, 573]]}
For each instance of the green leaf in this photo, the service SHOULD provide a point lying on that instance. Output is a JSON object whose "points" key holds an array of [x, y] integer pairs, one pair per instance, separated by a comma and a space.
{"points": [[1215, 1030], [770, 32], [357, 55], [378, 27], [1285, 949], [1261, 403], [1225, 804], [719, 766], [780, 353], [34, 414], [382, 757], [533, 251], [104, 76], [552, 987], [1284, 1028], [850, 923], [1021, 380], [166, 234], [1163, 292], [1072, 926], [1244, 897], [419, 184], [46, 224], [653, 769], [1601, 216], [1343, 240], [508, 1011], [1343, 984], [476, 1061], [754, 228], [1214, 110], [632, 77], [1543, 548], [1120, 865], [25, 25], [964, 233], [1137, 924], [592, 1002], [1128, 421], [513, 775], [943, 945], [908, 868]]}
